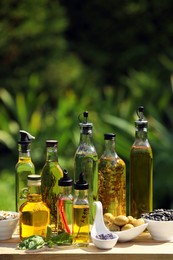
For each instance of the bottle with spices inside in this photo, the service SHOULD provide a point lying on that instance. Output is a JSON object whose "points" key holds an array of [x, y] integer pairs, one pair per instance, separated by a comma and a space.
{"points": [[86, 160], [65, 204], [34, 213], [81, 213], [24, 166], [112, 179], [50, 175], [141, 170]]}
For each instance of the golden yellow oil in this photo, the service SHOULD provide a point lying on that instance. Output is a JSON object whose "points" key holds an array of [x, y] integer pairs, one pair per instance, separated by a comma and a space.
{"points": [[34, 218], [81, 225]]}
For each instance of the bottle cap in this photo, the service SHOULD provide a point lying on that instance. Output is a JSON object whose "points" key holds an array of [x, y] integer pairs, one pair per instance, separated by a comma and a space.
{"points": [[141, 122], [81, 184], [85, 126], [65, 180], [109, 136], [34, 180], [51, 143], [25, 137]]}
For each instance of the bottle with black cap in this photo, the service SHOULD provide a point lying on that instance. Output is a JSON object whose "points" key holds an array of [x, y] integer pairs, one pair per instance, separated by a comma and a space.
{"points": [[81, 213], [65, 204], [112, 179], [86, 160], [141, 169], [50, 175], [24, 166], [34, 213]]}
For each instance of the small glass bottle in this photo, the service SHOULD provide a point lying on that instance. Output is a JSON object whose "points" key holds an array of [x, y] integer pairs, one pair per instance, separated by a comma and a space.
{"points": [[50, 175], [86, 160], [112, 179], [141, 170], [34, 213], [81, 213], [65, 204], [24, 166]]}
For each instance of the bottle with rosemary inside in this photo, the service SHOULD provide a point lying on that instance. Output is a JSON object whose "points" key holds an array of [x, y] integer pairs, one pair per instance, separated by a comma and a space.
{"points": [[24, 167], [141, 170], [65, 205], [34, 213], [81, 213], [50, 175], [112, 179], [86, 160]]}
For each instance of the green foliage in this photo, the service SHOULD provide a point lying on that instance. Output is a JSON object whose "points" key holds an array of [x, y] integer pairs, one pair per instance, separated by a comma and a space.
{"points": [[59, 58]]}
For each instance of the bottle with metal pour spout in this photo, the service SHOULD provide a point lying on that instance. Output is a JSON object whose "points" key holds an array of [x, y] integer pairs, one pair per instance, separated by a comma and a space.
{"points": [[86, 161], [141, 169], [24, 166]]}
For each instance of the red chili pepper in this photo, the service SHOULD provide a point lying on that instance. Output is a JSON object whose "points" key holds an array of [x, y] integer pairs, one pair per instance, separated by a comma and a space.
{"points": [[63, 216]]}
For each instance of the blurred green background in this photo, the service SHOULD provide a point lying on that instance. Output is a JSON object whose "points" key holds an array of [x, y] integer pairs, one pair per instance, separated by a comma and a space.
{"points": [[60, 58]]}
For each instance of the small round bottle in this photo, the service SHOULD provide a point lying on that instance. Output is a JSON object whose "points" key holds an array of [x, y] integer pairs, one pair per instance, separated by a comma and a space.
{"points": [[50, 175], [81, 213], [34, 213], [65, 204], [112, 179]]}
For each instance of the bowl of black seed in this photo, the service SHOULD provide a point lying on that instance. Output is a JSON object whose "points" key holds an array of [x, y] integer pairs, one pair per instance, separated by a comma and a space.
{"points": [[160, 224]]}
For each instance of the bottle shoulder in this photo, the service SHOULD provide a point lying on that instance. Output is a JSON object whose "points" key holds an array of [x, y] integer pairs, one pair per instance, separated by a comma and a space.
{"points": [[52, 168], [25, 166]]}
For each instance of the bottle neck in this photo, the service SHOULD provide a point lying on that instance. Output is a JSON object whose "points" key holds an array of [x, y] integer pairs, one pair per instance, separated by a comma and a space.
{"points": [[24, 151], [109, 148], [141, 137], [65, 190], [34, 193], [52, 154], [81, 194]]}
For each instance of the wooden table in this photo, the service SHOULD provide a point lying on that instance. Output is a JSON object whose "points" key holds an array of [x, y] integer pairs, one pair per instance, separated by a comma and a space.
{"points": [[143, 247]]}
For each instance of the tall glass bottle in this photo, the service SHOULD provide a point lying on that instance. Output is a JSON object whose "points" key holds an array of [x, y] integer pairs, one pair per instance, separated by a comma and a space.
{"points": [[112, 179], [141, 170], [65, 204], [50, 175], [24, 166], [86, 160], [34, 213], [81, 213]]}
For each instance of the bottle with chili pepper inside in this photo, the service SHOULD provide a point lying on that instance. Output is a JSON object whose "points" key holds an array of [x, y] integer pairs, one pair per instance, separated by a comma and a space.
{"points": [[65, 204]]}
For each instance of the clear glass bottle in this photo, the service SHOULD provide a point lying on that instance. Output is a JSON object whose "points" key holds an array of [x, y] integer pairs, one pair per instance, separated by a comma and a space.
{"points": [[34, 213], [86, 160], [112, 179], [81, 213], [50, 175], [65, 204], [24, 166], [141, 170]]}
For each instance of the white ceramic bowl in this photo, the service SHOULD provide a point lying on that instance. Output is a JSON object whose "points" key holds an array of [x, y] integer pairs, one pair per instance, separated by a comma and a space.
{"points": [[104, 244], [8, 225], [130, 234], [160, 230]]}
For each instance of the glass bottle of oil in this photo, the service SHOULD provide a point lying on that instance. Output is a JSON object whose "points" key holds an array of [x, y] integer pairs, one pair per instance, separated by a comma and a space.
{"points": [[81, 213], [24, 166], [34, 213], [65, 204], [141, 170], [86, 160], [50, 175], [112, 179]]}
